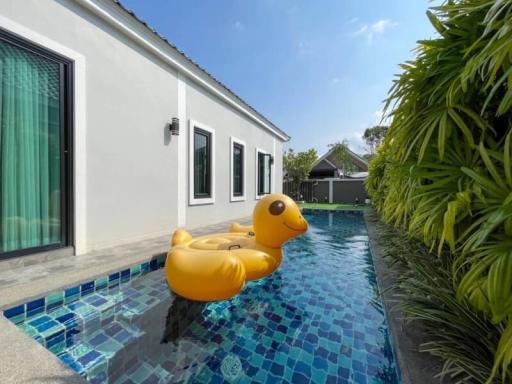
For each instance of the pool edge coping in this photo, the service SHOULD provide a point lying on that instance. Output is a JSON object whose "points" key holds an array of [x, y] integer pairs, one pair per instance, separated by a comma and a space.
{"points": [[415, 367], [49, 368], [24, 360], [15, 297]]}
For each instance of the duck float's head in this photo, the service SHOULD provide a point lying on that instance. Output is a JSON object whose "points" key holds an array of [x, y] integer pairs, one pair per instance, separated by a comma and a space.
{"points": [[277, 219]]}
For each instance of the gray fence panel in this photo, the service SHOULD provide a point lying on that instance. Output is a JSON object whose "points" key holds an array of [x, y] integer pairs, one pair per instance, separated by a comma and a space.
{"points": [[346, 191], [305, 193], [321, 191]]}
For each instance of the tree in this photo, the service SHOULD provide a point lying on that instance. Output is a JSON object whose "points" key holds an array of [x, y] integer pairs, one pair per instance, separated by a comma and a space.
{"points": [[342, 156], [373, 137], [298, 165]]}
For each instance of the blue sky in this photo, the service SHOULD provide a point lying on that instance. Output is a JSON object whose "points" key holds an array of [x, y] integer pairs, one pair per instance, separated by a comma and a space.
{"points": [[318, 69]]}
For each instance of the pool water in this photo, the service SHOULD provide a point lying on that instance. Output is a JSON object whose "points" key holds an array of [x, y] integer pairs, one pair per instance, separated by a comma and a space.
{"points": [[318, 319]]}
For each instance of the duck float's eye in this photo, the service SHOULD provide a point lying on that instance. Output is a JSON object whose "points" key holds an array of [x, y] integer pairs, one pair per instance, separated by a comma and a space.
{"points": [[277, 207]]}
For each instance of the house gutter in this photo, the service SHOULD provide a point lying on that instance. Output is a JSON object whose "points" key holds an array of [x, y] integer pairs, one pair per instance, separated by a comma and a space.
{"points": [[92, 6]]}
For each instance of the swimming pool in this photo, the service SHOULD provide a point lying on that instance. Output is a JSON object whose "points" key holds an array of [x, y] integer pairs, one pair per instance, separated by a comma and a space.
{"points": [[318, 319]]}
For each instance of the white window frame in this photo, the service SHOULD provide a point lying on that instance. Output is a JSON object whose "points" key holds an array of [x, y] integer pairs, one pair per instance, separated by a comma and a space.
{"points": [[232, 141], [259, 150], [192, 200]]}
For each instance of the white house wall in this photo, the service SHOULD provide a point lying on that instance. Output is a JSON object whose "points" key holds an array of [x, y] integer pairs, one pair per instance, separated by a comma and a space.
{"points": [[129, 186], [226, 122]]}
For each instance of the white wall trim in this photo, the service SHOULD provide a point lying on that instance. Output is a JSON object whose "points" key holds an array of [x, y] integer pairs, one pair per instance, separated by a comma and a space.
{"points": [[259, 150], [79, 125], [273, 174], [207, 83], [182, 152], [232, 197], [191, 199]]}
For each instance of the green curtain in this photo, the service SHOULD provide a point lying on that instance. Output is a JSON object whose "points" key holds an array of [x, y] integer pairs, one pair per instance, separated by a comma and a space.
{"points": [[30, 182]]}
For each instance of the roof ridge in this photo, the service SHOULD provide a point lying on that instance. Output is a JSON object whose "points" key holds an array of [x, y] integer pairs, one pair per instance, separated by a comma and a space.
{"points": [[218, 82], [332, 149]]}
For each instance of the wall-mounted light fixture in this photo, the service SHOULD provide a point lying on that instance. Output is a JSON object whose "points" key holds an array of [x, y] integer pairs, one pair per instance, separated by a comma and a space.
{"points": [[174, 127]]}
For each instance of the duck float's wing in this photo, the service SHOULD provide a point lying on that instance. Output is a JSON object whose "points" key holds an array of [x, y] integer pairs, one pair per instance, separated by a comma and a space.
{"points": [[204, 275], [239, 228], [257, 264]]}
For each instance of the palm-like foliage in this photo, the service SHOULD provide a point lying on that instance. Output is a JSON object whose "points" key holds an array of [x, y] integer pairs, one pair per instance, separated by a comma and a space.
{"points": [[466, 339], [444, 172]]}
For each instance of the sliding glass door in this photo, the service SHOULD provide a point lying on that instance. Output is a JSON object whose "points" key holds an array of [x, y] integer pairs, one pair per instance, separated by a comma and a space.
{"points": [[35, 167]]}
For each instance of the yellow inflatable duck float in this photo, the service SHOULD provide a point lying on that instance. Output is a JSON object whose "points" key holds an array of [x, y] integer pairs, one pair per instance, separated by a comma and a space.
{"points": [[215, 267]]}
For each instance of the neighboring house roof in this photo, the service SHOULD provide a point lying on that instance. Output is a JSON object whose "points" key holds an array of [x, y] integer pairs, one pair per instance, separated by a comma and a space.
{"points": [[325, 159], [93, 4], [358, 175], [324, 164]]}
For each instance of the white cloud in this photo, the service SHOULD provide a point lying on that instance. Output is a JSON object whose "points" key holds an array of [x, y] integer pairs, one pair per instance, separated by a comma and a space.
{"points": [[370, 31], [353, 20], [239, 25], [335, 80]]}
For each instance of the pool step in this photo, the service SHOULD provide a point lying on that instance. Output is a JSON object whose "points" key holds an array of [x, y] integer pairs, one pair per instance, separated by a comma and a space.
{"points": [[119, 346], [70, 324]]}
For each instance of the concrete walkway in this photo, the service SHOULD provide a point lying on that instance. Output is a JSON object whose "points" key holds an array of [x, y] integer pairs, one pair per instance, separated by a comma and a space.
{"points": [[22, 359]]}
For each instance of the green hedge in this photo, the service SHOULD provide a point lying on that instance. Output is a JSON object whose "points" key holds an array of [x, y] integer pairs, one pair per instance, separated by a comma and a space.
{"points": [[444, 172]]}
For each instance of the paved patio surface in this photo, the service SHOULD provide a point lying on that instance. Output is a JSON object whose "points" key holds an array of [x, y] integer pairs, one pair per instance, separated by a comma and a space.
{"points": [[26, 282], [23, 360]]}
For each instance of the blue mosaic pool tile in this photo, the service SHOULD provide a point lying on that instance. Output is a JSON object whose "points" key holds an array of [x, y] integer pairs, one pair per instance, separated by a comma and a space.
{"points": [[35, 307], [161, 261], [68, 320], [71, 294], [101, 284], [56, 342], [39, 322], [86, 288], [70, 361], [135, 271], [29, 330], [16, 314], [113, 279], [125, 275], [145, 267], [54, 301], [49, 329]]}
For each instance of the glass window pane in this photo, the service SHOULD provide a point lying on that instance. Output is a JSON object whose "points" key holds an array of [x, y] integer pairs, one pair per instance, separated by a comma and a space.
{"points": [[201, 164], [264, 173], [266, 180], [238, 159], [30, 150]]}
